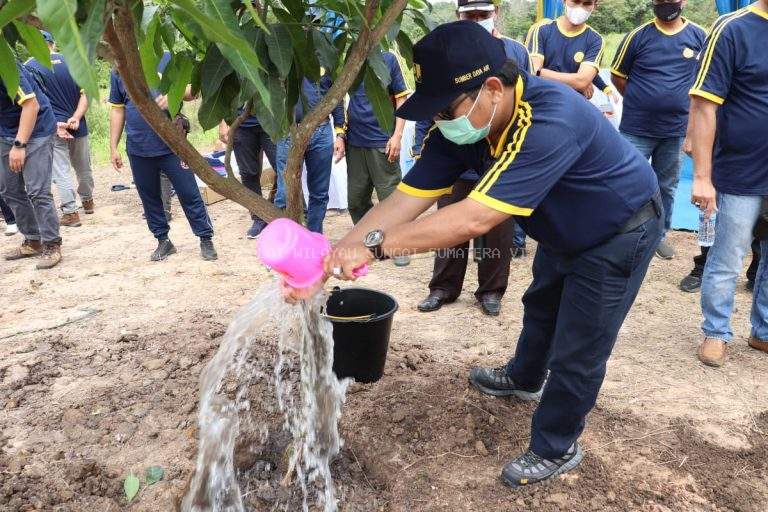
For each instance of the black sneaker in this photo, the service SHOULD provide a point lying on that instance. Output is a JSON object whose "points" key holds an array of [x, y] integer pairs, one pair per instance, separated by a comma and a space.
{"points": [[529, 468], [256, 228], [164, 249], [496, 382], [750, 285], [690, 283], [207, 251]]}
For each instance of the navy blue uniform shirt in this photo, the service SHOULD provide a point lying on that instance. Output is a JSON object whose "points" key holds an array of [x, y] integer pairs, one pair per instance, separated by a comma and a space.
{"points": [[363, 129], [567, 176], [313, 93], [563, 51], [733, 72], [660, 67], [140, 138], [10, 111], [61, 89]]}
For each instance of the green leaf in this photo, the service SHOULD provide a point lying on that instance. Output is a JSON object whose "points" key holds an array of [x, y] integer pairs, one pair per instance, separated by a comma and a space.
{"points": [[279, 49], [147, 18], [326, 52], [59, 16], [406, 47], [150, 52], [303, 49], [255, 16], [176, 77], [380, 101], [34, 42], [214, 70], [93, 27], [131, 486], [168, 32], [296, 8], [418, 4], [9, 73], [273, 117], [377, 64], [153, 474], [220, 104], [15, 9]]}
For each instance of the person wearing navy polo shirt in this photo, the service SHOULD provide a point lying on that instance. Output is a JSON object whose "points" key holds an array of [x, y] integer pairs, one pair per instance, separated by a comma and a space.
{"points": [[553, 162], [729, 113], [567, 49], [149, 156], [251, 142], [318, 157], [27, 127], [498, 244], [654, 67], [69, 105]]}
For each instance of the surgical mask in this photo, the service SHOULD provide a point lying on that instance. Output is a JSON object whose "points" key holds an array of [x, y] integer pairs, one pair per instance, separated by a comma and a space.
{"points": [[668, 11], [577, 15], [461, 131], [487, 24]]}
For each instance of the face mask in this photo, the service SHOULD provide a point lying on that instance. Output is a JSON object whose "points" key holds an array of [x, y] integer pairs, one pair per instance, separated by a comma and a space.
{"points": [[487, 24], [577, 15], [461, 131], [668, 11]]}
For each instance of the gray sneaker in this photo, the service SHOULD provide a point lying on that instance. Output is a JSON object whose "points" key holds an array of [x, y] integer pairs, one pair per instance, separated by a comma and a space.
{"points": [[496, 382], [529, 468], [665, 251]]}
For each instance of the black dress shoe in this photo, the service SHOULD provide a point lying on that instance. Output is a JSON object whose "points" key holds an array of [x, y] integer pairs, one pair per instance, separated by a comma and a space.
{"points": [[433, 302], [491, 305], [690, 283]]}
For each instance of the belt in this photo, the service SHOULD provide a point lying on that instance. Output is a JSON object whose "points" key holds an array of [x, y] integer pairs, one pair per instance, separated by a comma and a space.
{"points": [[651, 209]]}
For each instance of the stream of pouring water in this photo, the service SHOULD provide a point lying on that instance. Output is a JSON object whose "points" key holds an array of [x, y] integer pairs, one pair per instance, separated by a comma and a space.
{"points": [[313, 422]]}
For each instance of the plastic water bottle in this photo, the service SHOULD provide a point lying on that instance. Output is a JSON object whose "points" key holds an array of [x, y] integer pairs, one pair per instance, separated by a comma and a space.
{"points": [[707, 229]]}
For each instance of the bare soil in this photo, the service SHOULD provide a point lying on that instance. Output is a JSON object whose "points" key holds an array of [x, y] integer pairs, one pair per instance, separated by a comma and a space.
{"points": [[100, 359]]}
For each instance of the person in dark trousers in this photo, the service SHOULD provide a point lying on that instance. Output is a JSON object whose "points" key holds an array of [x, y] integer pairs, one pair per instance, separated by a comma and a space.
{"points": [[149, 156], [27, 128], [692, 282], [10, 221], [729, 111], [496, 253], [319, 155], [576, 186], [69, 105], [250, 144], [654, 67]]}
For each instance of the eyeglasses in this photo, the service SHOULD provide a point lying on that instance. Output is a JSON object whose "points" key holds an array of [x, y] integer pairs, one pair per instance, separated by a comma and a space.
{"points": [[447, 114]]}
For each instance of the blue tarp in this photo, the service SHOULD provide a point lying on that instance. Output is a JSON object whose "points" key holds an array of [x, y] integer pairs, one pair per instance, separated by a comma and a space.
{"points": [[726, 6]]}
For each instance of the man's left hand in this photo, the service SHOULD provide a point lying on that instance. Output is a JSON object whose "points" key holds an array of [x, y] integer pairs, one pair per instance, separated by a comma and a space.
{"points": [[393, 148], [342, 262], [16, 158]]}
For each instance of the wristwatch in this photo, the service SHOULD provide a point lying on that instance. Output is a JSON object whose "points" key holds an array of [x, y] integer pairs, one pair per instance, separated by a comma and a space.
{"points": [[538, 72], [373, 241], [18, 144]]}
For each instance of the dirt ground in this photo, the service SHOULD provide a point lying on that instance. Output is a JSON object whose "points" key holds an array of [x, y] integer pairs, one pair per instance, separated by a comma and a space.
{"points": [[100, 359]]}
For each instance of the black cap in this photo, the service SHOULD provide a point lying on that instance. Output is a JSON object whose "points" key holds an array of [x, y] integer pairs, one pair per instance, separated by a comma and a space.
{"points": [[452, 59], [475, 5]]}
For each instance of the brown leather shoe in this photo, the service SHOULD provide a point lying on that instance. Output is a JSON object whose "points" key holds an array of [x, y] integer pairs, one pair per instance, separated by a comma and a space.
{"points": [[71, 220], [50, 258], [712, 352], [28, 249], [88, 206], [758, 344]]}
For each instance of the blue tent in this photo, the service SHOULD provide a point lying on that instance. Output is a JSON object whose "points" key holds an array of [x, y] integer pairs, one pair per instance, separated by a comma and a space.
{"points": [[726, 6]]}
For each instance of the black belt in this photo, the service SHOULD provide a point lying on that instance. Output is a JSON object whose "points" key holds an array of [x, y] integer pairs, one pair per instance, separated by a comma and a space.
{"points": [[650, 210]]}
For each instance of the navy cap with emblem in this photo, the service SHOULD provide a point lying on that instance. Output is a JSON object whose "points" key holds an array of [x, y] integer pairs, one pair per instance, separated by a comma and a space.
{"points": [[453, 59]]}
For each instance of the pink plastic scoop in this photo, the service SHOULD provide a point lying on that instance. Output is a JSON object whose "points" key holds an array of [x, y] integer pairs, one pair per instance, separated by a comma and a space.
{"points": [[295, 252]]}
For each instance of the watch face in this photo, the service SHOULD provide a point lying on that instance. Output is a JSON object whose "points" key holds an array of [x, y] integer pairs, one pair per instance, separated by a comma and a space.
{"points": [[374, 238]]}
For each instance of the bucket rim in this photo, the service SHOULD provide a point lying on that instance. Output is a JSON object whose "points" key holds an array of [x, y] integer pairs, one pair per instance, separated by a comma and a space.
{"points": [[362, 318]]}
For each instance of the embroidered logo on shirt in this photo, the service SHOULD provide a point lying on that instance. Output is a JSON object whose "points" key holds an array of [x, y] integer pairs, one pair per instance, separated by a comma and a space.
{"points": [[578, 57], [688, 53]]}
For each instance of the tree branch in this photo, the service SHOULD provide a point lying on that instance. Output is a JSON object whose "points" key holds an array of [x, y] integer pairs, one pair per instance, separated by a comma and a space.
{"points": [[120, 35], [231, 137]]}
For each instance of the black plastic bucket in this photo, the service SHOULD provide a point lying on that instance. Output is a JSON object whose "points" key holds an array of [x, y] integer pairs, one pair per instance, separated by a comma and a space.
{"points": [[362, 323]]}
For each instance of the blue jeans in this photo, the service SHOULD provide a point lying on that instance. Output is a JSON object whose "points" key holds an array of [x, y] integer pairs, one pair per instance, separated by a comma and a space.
{"points": [[518, 240], [666, 157], [319, 159], [146, 176], [736, 218]]}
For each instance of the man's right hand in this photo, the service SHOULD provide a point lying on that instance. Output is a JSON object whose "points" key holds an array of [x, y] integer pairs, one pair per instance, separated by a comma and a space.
{"points": [[339, 150], [117, 160], [224, 133], [704, 196]]}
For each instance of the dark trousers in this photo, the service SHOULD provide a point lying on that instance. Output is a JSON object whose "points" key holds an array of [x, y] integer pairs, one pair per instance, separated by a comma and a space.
{"points": [[249, 145], [7, 212], [146, 175], [494, 258], [701, 259], [573, 311]]}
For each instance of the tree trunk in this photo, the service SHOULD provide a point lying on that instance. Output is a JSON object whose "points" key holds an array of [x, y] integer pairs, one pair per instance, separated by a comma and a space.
{"points": [[120, 35]]}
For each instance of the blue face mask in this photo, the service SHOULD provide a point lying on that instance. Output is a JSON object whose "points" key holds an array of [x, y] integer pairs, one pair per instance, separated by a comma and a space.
{"points": [[461, 131]]}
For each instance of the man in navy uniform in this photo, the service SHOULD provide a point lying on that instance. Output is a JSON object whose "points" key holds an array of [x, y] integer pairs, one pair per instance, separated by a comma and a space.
{"points": [[551, 160], [653, 69]]}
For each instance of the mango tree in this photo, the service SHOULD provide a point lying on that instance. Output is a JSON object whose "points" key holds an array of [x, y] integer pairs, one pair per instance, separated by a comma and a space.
{"points": [[233, 53]]}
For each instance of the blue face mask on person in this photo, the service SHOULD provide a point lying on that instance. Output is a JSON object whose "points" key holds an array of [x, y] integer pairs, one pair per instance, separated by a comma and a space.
{"points": [[461, 130]]}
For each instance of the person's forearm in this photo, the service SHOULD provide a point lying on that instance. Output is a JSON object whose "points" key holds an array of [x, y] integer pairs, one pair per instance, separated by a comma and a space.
{"points": [[116, 122], [29, 110], [578, 81], [619, 82], [82, 107], [702, 125], [399, 123]]}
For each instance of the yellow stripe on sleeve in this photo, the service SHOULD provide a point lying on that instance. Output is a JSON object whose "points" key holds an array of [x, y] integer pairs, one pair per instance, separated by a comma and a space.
{"points": [[707, 96], [23, 96], [710, 51], [500, 206], [423, 193], [513, 148], [619, 57], [116, 105], [402, 94]]}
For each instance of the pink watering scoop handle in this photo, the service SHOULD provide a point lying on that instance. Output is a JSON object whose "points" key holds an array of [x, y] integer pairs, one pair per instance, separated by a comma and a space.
{"points": [[361, 271]]}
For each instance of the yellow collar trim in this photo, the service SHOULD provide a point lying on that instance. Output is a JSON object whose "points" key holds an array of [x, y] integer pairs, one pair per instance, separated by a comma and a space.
{"points": [[569, 34], [755, 9], [667, 32], [496, 152]]}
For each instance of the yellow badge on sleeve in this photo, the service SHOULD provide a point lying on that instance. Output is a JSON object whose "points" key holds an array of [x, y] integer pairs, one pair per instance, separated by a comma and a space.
{"points": [[688, 53], [578, 57]]}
